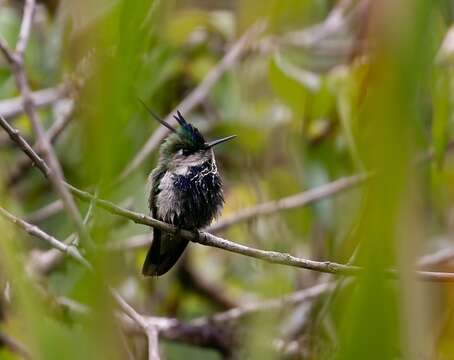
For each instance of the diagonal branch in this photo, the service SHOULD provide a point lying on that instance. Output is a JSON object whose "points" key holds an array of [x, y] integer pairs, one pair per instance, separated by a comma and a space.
{"points": [[289, 202], [25, 28], [268, 208], [23, 164], [197, 95], [239, 312], [26, 148], [40, 234], [14, 346], [146, 326], [7, 52], [10, 108], [45, 212]]}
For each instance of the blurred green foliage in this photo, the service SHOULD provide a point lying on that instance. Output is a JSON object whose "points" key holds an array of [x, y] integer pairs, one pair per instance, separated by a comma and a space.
{"points": [[371, 96]]}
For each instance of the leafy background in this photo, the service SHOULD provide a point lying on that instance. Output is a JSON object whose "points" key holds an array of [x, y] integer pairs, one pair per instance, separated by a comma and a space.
{"points": [[370, 92]]}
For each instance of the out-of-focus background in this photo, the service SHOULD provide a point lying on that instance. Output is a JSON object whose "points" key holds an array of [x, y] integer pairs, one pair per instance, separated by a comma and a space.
{"points": [[343, 111]]}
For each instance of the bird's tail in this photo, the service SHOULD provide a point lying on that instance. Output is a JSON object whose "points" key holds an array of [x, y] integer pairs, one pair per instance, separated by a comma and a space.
{"points": [[164, 252]]}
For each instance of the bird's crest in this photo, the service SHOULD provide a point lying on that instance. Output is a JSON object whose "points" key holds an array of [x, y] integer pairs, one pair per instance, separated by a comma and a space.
{"points": [[189, 132], [186, 132]]}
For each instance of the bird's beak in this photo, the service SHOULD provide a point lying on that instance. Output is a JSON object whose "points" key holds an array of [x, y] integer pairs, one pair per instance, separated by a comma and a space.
{"points": [[219, 141]]}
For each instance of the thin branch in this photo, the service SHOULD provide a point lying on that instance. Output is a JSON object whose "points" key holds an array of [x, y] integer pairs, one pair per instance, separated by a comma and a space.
{"points": [[283, 302], [208, 239], [129, 310], [197, 95], [26, 148], [13, 107], [25, 28], [43, 262], [45, 212], [290, 202], [40, 234], [332, 35], [14, 346], [438, 258], [7, 52], [153, 344], [268, 208], [24, 164], [147, 327]]}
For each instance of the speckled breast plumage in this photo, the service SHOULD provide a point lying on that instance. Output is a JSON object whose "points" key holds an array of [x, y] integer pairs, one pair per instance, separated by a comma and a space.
{"points": [[191, 199]]}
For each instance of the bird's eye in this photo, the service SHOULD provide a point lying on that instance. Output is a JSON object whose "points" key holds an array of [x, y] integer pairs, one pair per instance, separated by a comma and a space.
{"points": [[184, 152]]}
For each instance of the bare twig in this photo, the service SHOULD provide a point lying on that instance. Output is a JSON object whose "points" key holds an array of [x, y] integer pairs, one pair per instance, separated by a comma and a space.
{"points": [[197, 95], [214, 241], [14, 346], [17, 66], [43, 262], [25, 28], [290, 202], [153, 345], [268, 208], [147, 327], [37, 232], [438, 258], [7, 53], [297, 297], [45, 212], [24, 164], [333, 35], [13, 107], [26, 148]]}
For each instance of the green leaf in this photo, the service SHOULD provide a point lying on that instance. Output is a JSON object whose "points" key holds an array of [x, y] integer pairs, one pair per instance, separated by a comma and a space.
{"points": [[291, 91]]}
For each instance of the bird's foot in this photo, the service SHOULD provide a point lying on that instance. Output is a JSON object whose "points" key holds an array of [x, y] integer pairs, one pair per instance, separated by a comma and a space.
{"points": [[197, 235]]}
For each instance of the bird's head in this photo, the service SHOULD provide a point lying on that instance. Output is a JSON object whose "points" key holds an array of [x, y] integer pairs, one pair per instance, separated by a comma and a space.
{"points": [[185, 145]]}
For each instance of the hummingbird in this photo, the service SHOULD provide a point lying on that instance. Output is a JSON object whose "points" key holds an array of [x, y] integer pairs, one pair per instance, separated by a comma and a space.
{"points": [[186, 191]]}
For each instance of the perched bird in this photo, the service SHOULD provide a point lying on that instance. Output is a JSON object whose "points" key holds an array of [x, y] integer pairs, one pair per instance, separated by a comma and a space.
{"points": [[186, 191]]}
